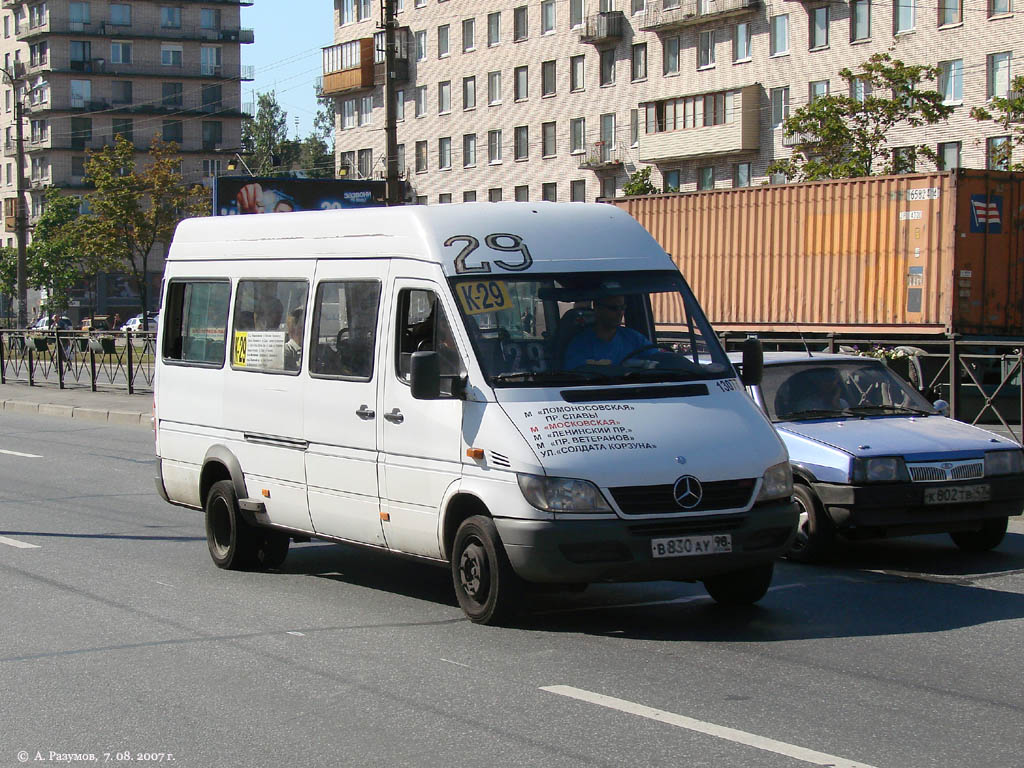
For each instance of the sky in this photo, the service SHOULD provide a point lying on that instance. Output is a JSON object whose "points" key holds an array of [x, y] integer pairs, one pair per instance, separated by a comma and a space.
{"points": [[286, 54]]}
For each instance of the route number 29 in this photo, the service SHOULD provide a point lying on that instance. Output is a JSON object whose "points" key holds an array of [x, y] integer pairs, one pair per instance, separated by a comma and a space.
{"points": [[499, 241]]}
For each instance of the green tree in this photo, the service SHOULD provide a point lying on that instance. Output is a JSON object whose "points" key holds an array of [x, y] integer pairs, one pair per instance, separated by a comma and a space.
{"points": [[316, 158], [264, 135], [640, 183], [55, 259], [1008, 113], [133, 210], [9, 273], [841, 136], [323, 123]]}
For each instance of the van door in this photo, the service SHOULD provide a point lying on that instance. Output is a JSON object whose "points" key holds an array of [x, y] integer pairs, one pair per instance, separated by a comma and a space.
{"points": [[421, 440], [341, 412]]}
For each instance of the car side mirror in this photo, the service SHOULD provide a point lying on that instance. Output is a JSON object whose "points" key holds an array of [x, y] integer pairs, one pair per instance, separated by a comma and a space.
{"points": [[753, 363], [941, 406], [425, 375]]}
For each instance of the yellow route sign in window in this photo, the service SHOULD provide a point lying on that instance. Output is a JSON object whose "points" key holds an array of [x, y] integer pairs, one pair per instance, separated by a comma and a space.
{"points": [[238, 357], [479, 296]]}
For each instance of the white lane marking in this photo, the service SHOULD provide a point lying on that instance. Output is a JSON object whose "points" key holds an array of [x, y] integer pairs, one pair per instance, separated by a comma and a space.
{"points": [[23, 455], [718, 731], [456, 663], [18, 544], [296, 634], [163, 584]]}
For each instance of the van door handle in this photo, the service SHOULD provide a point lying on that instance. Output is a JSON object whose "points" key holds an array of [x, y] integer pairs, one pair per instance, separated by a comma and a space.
{"points": [[365, 412], [395, 417]]}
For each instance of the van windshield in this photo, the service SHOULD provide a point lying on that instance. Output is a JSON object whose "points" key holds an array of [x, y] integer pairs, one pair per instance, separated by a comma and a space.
{"points": [[588, 327]]}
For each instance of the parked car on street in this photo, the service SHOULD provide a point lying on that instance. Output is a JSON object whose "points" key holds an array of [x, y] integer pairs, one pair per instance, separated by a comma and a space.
{"points": [[51, 323], [96, 323], [135, 324], [873, 458]]}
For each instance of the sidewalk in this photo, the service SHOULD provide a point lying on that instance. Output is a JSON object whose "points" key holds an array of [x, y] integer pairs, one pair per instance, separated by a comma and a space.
{"points": [[79, 403]]}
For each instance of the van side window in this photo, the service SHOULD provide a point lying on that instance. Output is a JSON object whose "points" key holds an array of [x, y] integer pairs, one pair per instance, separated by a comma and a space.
{"points": [[196, 321], [422, 326], [269, 323], [345, 329]]}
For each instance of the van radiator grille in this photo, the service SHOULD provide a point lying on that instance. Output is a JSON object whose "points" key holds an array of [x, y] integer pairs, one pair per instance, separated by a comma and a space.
{"points": [[935, 472], [660, 500]]}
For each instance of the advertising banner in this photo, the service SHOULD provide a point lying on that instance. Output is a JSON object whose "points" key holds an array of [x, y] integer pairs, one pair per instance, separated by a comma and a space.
{"points": [[254, 194]]}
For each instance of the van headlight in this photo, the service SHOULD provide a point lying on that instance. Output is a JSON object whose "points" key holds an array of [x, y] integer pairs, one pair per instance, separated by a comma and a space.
{"points": [[777, 483], [1004, 462], [880, 469], [562, 494]]}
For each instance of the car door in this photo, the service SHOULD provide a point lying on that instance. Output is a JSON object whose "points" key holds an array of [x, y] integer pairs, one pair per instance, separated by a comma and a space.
{"points": [[421, 440], [341, 413]]}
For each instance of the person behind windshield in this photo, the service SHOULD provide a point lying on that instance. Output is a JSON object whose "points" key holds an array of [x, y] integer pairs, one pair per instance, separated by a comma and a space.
{"points": [[607, 342], [820, 389]]}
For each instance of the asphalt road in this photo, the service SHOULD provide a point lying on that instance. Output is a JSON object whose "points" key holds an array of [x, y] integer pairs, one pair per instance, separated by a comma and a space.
{"points": [[119, 638]]}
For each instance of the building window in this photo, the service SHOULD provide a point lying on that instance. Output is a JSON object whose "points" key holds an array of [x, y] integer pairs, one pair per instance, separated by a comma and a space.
{"points": [[81, 93], [469, 150], [210, 60], [670, 56], [951, 81], [818, 27], [493, 28], [998, 74], [421, 157], [469, 92], [444, 97], [904, 159], [121, 53], [469, 196], [212, 96], [607, 76], [576, 73], [213, 134], [741, 175], [494, 147], [170, 18], [400, 104], [468, 35], [816, 89], [578, 191], [547, 17], [420, 100], [548, 80], [860, 89], [706, 177], [575, 14], [171, 94], [420, 39], [521, 142], [172, 131], [123, 127], [577, 135], [778, 43], [608, 143], [209, 18], [548, 133], [950, 12], [949, 156], [608, 187], [78, 13], [522, 193], [780, 106], [741, 42], [904, 15], [170, 55], [706, 49], [860, 20], [638, 62], [999, 7], [494, 194], [120, 14], [442, 41], [520, 23], [634, 127], [998, 153], [121, 92], [521, 83], [348, 114], [494, 87], [444, 153], [549, 192]]}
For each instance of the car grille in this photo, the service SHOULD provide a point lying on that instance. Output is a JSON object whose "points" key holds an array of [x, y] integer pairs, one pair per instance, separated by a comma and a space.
{"points": [[941, 471], [659, 499]]}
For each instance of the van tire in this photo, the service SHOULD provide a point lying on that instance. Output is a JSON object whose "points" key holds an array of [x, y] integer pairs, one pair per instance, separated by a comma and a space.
{"points": [[743, 587], [815, 532], [233, 543], [988, 537], [272, 549], [487, 588]]}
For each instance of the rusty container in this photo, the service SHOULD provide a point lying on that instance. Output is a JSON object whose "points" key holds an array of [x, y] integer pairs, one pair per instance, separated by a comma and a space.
{"points": [[921, 254]]}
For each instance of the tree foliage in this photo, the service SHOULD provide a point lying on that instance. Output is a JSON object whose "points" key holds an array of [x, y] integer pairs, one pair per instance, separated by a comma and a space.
{"points": [[323, 123], [840, 136], [264, 135], [132, 210], [316, 158], [1008, 113], [639, 183]]}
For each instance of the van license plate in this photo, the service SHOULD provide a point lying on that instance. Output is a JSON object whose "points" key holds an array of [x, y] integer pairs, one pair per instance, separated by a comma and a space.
{"points": [[681, 546], [960, 494]]}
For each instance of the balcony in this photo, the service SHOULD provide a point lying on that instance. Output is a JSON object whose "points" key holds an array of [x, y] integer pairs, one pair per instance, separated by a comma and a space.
{"points": [[601, 156], [105, 67], [603, 28], [796, 138], [738, 133], [348, 67], [667, 15]]}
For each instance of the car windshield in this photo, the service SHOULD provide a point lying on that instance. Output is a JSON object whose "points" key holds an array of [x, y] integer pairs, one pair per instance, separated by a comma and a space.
{"points": [[588, 327], [828, 389]]}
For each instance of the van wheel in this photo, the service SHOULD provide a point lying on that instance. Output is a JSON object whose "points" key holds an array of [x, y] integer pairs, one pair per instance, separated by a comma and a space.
{"points": [[988, 537], [272, 548], [815, 532], [487, 588], [233, 543], [743, 587]]}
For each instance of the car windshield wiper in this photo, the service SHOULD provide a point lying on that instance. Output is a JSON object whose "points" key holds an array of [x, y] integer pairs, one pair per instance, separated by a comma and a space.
{"points": [[815, 413], [551, 376], [655, 374], [896, 408]]}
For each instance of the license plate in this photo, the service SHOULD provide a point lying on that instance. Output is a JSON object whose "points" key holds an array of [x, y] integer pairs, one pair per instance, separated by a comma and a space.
{"points": [[960, 494], [682, 546]]}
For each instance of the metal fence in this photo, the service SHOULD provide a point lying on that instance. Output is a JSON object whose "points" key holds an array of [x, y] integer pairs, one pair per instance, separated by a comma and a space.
{"points": [[109, 360]]}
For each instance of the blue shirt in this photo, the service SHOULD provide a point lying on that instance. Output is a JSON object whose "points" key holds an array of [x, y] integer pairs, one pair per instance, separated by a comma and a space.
{"points": [[585, 346]]}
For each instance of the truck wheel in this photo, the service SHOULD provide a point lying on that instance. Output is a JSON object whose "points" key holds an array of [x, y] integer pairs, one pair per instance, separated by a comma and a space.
{"points": [[487, 588], [743, 587], [988, 537], [272, 548], [232, 542], [815, 532]]}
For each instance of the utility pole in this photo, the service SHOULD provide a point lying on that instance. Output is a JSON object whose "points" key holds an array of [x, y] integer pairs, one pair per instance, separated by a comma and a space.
{"points": [[394, 185], [20, 209]]}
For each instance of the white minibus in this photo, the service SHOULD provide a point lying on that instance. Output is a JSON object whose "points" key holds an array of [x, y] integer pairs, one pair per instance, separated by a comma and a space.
{"points": [[526, 393]]}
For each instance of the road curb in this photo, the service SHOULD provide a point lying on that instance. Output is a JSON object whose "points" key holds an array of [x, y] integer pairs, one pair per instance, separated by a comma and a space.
{"points": [[64, 410], [53, 409], [20, 406], [89, 414]]}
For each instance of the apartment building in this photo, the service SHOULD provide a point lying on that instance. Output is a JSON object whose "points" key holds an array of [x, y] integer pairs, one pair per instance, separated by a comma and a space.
{"points": [[564, 99], [87, 71]]}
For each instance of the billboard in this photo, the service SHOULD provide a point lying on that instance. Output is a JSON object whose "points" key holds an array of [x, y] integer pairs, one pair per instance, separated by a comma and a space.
{"points": [[255, 194]]}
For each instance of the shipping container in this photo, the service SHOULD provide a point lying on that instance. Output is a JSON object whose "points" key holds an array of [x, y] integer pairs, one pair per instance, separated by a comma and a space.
{"points": [[917, 254]]}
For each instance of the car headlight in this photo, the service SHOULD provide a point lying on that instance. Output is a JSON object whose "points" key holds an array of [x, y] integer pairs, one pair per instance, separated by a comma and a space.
{"points": [[562, 494], [778, 482], [880, 469], [1004, 462]]}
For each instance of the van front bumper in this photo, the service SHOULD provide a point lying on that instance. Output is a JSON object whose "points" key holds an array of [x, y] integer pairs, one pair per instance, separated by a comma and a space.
{"points": [[899, 508], [583, 551]]}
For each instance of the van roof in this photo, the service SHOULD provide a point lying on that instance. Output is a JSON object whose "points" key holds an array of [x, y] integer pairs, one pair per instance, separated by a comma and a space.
{"points": [[557, 236]]}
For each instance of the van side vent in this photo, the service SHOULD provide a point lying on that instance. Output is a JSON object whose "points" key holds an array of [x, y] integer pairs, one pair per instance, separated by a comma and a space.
{"points": [[499, 460]]}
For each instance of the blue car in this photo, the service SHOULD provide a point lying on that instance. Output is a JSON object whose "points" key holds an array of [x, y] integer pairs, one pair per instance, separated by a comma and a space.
{"points": [[873, 458]]}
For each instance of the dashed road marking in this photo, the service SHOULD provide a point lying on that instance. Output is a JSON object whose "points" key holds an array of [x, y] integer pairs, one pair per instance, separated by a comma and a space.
{"points": [[19, 453], [719, 731], [18, 544]]}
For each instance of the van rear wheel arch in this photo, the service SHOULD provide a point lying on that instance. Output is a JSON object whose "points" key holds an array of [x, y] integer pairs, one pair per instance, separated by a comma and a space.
{"points": [[220, 464]]}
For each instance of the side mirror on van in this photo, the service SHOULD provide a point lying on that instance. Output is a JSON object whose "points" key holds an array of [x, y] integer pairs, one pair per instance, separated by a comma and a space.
{"points": [[753, 362], [425, 375]]}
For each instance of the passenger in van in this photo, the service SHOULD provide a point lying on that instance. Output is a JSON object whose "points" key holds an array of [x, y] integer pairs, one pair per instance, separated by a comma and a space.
{"points": [[293, 347], [268, 314], [606, 342]]}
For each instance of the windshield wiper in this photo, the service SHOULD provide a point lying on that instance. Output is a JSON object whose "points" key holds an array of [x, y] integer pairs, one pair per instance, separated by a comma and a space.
{"points": [[655, 374], [551, 376], [815, 413], [896, 408]]}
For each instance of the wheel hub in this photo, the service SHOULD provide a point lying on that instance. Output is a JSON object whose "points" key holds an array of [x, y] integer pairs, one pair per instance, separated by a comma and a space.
{"points": [[473, 573]]}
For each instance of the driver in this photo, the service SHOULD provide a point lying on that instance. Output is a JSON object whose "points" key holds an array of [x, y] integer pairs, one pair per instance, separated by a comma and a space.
{"points": [[607, 342]]}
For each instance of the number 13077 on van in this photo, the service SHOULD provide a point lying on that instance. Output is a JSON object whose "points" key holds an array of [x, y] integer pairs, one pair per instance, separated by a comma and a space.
{"points": [[479, 386]]}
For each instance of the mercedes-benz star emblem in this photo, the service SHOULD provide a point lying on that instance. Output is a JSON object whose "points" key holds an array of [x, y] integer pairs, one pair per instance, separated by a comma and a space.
{"points": [[687, 491]]}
